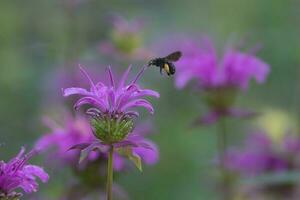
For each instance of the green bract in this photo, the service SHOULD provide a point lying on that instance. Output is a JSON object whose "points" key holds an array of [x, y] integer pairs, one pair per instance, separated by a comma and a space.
{"points": [[111, 130], [11, 196]]}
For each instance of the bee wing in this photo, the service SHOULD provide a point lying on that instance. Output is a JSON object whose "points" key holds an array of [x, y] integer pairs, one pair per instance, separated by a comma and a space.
{"points": [[173, 57]]}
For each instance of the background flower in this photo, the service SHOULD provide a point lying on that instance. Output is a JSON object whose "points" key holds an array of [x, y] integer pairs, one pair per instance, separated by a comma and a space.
{"points": [[267, 166], [60, 138], [125, 40], [74, 130], [234, 69]]}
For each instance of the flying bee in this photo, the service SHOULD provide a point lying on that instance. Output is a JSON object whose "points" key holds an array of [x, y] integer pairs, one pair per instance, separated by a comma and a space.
{"points": [[166, 63]]}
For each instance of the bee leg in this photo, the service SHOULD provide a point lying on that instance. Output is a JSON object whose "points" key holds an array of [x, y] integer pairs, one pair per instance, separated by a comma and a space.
{"points": [[160, 70]]}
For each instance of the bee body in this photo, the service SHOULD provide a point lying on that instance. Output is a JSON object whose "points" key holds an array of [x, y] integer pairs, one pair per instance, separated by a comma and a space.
{"points": [[166, 63]]}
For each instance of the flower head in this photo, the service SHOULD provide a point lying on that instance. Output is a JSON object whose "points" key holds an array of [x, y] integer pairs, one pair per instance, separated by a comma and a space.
{"points": [[267, 166], [258, 157], [113, 100], [112, 108], [18, 174], [234, 70], [219, 79], [262, 155], [125, 39]]}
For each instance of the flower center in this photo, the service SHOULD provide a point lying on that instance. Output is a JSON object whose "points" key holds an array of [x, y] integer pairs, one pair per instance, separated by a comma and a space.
{"points": [[111, 129]]}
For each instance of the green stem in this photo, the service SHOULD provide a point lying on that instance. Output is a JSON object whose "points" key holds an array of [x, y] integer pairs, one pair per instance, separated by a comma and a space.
{"points": [[110, 173], [222, 148]]}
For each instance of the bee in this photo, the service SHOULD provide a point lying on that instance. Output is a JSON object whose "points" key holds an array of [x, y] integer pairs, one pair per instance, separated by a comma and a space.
{"points": [[166, 63]]}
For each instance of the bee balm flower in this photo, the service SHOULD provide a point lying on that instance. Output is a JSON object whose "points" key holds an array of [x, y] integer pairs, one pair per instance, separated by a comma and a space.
{"points": [[113, 108], [233, 70], [18, 174], [220, 79]]}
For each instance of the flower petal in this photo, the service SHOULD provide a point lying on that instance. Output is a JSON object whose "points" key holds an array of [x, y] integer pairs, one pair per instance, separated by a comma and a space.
{"points": [[124, 78], [138, 103], [37, 171], [92, 147], [111, 77], [92, 101], [80, 146], [139, 74], [148, 155], [93, 88], [146, 92], [75, 90]]}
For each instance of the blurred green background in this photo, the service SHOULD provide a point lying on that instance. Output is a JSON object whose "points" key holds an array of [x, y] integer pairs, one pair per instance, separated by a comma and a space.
{"points": [[39, 36]]}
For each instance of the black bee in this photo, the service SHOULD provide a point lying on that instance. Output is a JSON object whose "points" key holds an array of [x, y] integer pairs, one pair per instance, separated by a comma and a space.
{"points": [[166, 63]]}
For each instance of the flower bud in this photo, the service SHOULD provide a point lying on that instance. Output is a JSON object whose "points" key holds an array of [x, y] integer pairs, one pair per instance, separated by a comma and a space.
{"points": [[126, 42]]}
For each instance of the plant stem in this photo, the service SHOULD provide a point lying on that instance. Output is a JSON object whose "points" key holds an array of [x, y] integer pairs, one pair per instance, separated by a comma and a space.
{"points": [[110, 173], [222, 148]]}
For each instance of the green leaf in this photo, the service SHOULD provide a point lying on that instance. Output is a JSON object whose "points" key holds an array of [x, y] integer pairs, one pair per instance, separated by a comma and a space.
{"points": [[83, 155], [136, 159]]}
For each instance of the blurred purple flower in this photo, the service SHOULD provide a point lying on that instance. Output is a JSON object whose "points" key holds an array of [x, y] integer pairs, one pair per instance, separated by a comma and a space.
{"points": [[220, 80], [77, 130], [125, 40], [269, 167], [257, 157], [18, 174], [234, 70], [74, 130]]}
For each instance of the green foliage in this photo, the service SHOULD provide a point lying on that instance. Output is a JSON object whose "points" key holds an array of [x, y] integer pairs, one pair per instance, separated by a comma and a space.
{"points": [[111, 130], [136, 159], [12, 196]]}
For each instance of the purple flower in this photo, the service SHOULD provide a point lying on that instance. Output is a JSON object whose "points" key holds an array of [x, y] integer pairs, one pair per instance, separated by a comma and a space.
{"points": [[113, 100], [219, 79], [113, 108], [18, 174], [125, 41], [258, 156], [74, 130], [234, 70]]}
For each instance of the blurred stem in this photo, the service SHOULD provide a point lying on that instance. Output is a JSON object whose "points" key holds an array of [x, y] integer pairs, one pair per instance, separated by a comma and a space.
{"points": [[110, 173], [222, 148]]}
